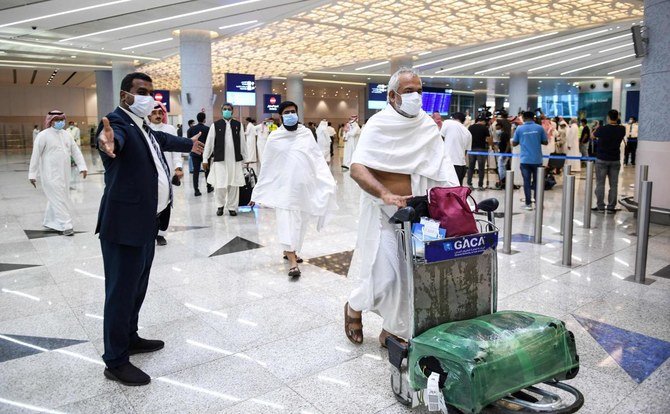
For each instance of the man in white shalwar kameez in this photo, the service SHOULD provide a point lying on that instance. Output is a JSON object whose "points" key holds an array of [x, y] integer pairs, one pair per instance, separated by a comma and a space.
{"points": [[296, 182], [572, 138], [52, 150], [323, 139], [158, 122], [250, 136], [399, 155], [352, 132], [227, 144]]}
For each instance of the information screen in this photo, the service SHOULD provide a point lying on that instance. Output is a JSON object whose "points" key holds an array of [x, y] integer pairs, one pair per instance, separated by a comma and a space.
{"points": [[377, 95], [436, 99], [241, 89], [271, 103]]}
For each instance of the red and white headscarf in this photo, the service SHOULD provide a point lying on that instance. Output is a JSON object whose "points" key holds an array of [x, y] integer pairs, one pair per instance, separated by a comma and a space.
{"points": [[53, 114], [159, 105]]}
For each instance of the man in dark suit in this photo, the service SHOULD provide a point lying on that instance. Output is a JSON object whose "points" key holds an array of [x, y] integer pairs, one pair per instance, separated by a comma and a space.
{"points": [[136, 202], [196, 159]]}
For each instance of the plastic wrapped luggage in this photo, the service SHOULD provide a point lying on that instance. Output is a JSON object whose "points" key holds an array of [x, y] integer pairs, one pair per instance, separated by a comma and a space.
{"points": [[249, 184], [484, 359]]}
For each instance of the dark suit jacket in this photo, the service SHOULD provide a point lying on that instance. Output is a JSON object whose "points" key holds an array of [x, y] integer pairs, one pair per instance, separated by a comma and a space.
{"points": [[193, 131], [128, 207]]}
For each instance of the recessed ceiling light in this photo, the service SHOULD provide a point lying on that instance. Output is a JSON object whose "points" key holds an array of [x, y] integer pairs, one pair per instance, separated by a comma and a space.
{"points": [[69, 49], [167, 39], [616, 47], [598, 64], [163, 19], [624, 69], [46, 16], [373, 65], [238, 24], [559, 62]]}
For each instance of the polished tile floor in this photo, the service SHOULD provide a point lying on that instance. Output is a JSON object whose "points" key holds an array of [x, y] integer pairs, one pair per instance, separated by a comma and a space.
{"points": [[241, 338]]}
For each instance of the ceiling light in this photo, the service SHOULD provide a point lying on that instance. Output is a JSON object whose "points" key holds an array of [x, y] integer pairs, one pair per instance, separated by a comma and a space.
{"points": [[542, 46], [69, 49], [485, 49], [625, 69], [598, 64], [373, 65], [111, 3], [77, 65], [615, 47], [164, 19], [238, 24], [338, 82], [559, 63], [425, 53], [167, 39]]}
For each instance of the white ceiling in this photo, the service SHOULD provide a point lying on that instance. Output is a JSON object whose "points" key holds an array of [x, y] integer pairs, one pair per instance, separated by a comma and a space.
{"points": [[325, 39]]}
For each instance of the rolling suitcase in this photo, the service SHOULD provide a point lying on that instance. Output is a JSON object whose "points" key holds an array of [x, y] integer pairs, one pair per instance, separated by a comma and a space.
{"points": [[249, 184]]}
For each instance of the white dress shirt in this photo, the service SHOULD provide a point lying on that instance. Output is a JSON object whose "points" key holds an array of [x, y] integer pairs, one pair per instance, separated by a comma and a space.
{"points": [[457, 140]]}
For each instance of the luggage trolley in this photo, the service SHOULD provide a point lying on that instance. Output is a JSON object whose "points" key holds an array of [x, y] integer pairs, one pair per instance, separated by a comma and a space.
{"points": [[509, 362]]}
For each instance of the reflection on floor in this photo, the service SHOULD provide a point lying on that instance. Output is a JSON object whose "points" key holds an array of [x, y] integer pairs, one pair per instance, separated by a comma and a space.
{"points": [[241, 338]]}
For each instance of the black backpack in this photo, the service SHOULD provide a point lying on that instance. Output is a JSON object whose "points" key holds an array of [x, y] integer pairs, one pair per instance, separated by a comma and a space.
{"points": [[549, 181]]}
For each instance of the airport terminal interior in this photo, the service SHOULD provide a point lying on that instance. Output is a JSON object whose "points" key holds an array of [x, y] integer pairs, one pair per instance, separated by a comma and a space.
{"points": [[555, 304]]}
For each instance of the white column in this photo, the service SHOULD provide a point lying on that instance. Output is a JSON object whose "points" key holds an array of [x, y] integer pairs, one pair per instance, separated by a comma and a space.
{"points": [[616, 94], [295, 92], [400, 62], [518, 92], [195, 52], [119, 71], [105, 92], [653, 140], [491, 93]]}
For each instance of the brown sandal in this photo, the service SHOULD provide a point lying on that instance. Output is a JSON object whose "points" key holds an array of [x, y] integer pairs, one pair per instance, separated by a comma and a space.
{"points": [[294, 271], [352, 333]]}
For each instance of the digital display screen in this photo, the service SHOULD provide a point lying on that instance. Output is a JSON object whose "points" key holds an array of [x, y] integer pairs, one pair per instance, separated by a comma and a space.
{"points": [[436, 100], [163, 96], [241, 89], [271, 103], [377, 95]]}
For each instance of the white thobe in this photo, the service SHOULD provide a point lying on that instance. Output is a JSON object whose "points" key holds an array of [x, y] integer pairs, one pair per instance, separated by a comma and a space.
{"points": [[76, 134], [323, 139], [174, 159], [51, 161], [252, 151], [350, 142], [572, 147], [393, 143], [35, 132], [226, 176]]}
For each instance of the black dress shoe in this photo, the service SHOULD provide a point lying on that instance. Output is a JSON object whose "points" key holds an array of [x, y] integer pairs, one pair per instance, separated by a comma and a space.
{"points": [[219, 211], [232, 212], [198, 193], [209, 188], [128, 374], [145, 345], [160, 240]]}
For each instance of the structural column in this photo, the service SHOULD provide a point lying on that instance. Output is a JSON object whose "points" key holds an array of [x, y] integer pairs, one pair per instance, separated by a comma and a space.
{"points": [[295, 92], [491, 93], [263, 87], [616, 94], [653, 139], [106, 95], [195, 52], [401, 62], [518, 92], [119, 70]]}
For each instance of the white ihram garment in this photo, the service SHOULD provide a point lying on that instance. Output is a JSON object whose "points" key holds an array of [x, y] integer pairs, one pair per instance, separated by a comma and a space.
{"points": [[323, 139], [393, 143], [173, 159], [572, 139], [50, 160], [297, 183], [226, 176], [350, 142]]}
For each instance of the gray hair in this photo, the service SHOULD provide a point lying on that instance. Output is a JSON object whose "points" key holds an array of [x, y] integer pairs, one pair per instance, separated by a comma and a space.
{"points": [[394, 82]]}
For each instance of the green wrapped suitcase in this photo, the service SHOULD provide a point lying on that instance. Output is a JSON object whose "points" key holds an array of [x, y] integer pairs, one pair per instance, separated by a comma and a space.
{"points": [[486, 358]]}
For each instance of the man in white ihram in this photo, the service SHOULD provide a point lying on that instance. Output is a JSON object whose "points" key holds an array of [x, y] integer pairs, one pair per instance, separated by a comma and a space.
{"points": [[52, 150], [353, 131], [399, 155], [158, 122], [323, 139]]}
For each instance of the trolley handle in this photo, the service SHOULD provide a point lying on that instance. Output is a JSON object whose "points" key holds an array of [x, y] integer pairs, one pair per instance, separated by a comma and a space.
{"points": [[403, 215]]}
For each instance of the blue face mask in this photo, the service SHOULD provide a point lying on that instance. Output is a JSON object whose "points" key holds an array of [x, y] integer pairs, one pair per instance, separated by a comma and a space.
{"points": [[290, 119], [59, 124], [227, 113]]}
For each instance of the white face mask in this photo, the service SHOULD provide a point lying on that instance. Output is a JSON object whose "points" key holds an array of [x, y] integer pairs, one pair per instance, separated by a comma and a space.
{"points": [[411, 103], [142, 105]]}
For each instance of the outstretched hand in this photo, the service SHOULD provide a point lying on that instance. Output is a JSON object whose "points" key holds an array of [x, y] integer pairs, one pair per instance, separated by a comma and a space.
{"points": [[106, 138], [198, 147]]}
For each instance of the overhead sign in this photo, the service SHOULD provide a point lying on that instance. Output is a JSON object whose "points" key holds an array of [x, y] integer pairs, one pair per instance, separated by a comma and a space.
{"points": [[271, 103], [241, 89], [163, 96]]}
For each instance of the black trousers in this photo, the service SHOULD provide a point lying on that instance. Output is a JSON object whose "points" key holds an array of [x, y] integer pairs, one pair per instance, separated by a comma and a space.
{"points": [[197, 162], [631, 149], [480, 160], [460, 172], [126, 279]]}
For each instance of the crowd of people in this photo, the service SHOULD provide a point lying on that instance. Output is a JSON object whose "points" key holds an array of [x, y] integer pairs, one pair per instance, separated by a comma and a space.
{"points": [[399, 154]]}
